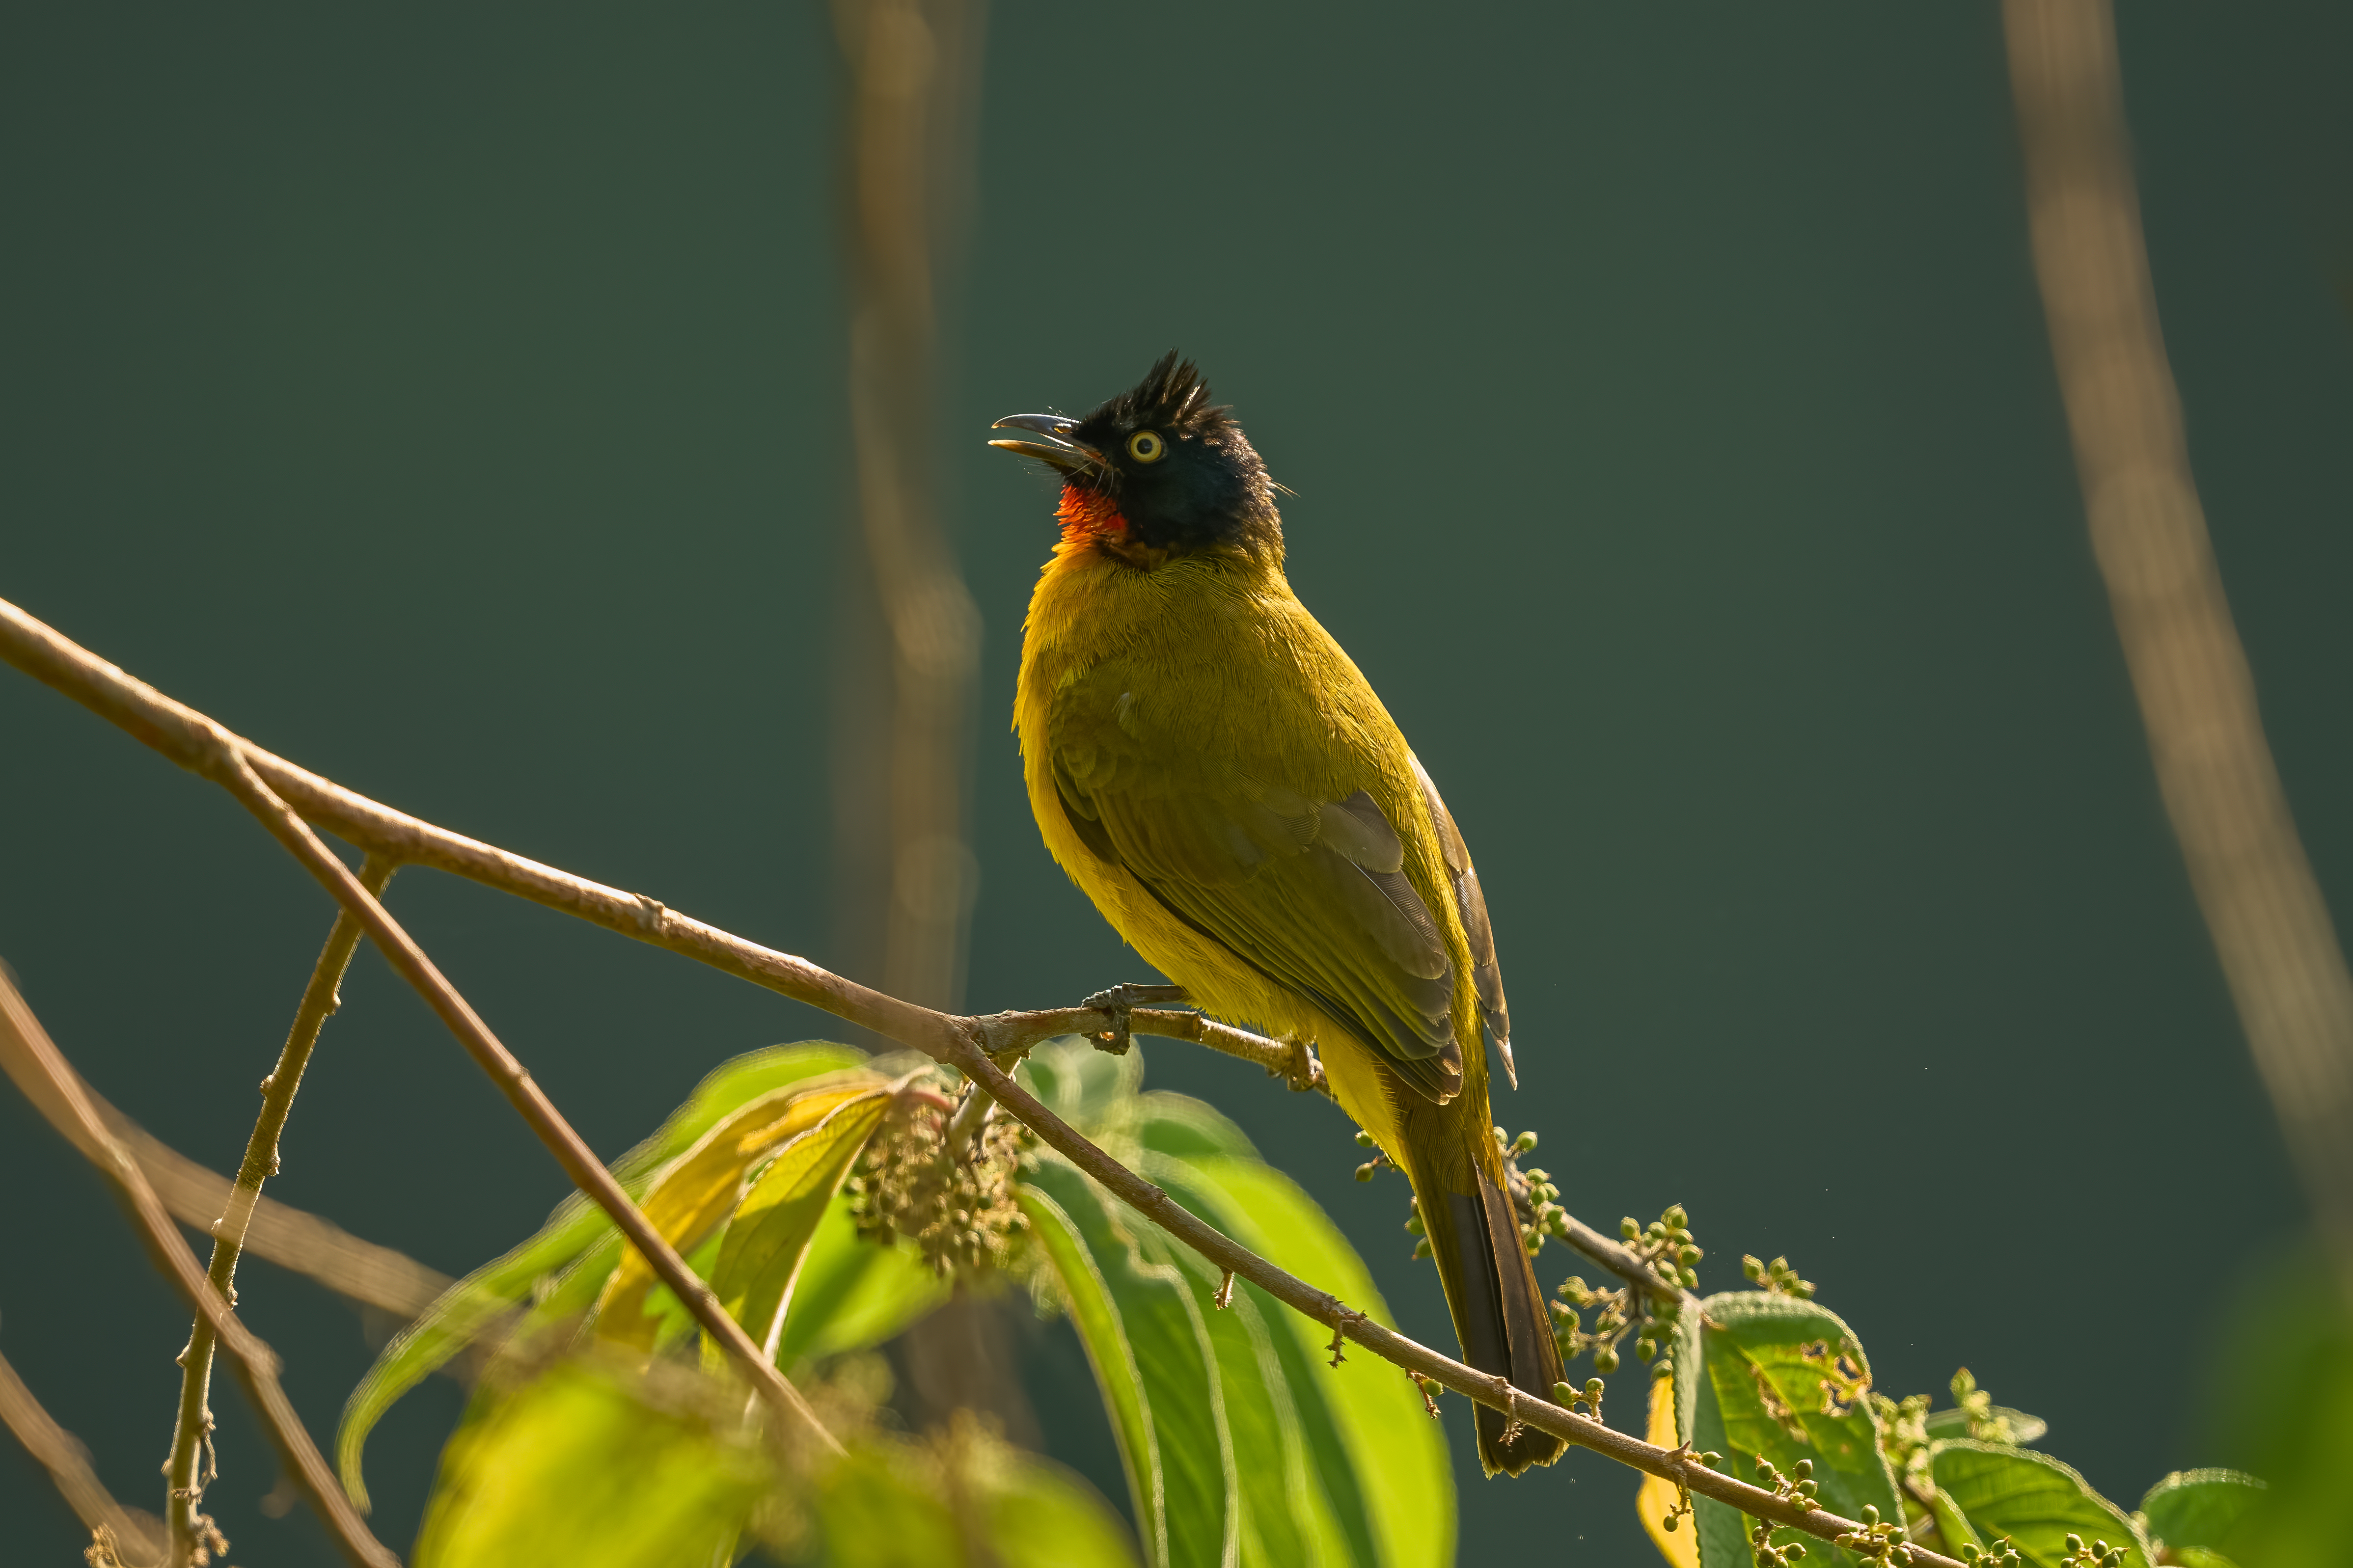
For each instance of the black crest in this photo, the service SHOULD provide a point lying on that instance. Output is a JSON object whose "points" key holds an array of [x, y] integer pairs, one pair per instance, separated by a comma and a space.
{"points": [[1172, 398], [1207, 485]]}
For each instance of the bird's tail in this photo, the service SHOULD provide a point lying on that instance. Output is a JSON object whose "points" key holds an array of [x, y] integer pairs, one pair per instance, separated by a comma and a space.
{"points": [[1498, 1308]]}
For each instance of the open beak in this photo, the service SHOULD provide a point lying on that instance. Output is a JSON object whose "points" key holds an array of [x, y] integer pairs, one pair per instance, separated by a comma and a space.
{"points": [[1070, 457]]}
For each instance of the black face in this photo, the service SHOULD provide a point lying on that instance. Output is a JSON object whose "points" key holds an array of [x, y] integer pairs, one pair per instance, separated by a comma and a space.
{"points": [[1178, 468]]}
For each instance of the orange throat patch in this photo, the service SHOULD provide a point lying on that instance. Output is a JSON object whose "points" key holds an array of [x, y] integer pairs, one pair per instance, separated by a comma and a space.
{"points": [[1088, 515]]}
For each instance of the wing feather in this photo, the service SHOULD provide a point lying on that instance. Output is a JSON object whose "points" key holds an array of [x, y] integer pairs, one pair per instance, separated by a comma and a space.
{"points": [[1470, 902], [1312, 894]]}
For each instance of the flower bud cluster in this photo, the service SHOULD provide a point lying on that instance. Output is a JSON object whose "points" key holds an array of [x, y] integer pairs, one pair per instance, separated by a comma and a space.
{"points": [[1777, 1278], [1800, 1487], [1535, 1199], [2002, 1554], [2099, 1554], [960, 1214], [1879, 1541], [1667, 1254]]}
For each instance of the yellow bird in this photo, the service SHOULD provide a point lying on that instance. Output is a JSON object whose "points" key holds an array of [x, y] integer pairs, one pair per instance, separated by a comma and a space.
{"points": [[1217, 774]]}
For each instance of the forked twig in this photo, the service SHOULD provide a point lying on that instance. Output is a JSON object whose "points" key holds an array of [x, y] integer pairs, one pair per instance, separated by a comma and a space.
{"points": [[579, 1161], [965, 1043], [31, 1050], [184, 1481]]}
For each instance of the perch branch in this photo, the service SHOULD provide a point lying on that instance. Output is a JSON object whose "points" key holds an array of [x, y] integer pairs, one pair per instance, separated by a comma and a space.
{"points": [[31, 1051], [2254, 884], [185, 1482], [197, 742], [68, 1462], [1676, 1465]]}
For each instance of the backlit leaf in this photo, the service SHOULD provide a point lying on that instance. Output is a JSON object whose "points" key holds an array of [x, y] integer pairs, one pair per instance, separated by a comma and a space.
{"points": [[1143, 1329], [1782, 1379], [580, 1466], [1385, 1491], [769, 1232], [487, 1299], [2201, 1508], [698, 1190], [2032, 1498]]}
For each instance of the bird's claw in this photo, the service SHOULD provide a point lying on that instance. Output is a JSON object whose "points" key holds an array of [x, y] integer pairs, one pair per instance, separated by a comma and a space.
{"points": [[1119, 1004]]}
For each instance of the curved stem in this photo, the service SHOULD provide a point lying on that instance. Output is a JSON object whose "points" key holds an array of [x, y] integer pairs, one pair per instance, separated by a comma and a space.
{"points": [[184, 1485]]}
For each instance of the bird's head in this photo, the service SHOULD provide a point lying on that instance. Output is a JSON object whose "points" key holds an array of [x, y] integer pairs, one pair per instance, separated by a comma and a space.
{"points": [[1157, 471]]}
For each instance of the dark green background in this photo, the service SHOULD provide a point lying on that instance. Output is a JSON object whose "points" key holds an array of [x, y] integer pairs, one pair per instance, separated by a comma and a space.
{"points": [[450, 400]]}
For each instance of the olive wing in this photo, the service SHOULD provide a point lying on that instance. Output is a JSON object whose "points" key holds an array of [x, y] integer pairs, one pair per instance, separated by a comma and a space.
{"points": [[1313, 894]]}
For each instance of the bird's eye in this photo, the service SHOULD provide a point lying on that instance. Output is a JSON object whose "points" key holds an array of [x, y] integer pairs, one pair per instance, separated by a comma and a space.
{"points": [[1146, 447]]}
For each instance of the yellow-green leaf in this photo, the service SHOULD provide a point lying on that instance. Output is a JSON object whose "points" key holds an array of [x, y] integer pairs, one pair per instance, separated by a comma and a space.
{"points": [[769, 1232], [2032, 1498], [582, 1466], [698, 1190]]}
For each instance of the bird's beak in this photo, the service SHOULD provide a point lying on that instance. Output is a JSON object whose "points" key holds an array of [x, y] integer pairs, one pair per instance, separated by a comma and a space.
{"points": [[1070, 457]]}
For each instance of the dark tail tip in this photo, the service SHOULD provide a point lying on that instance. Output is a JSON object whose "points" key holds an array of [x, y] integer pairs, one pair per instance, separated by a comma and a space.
{"points": [[1525, 1337]]}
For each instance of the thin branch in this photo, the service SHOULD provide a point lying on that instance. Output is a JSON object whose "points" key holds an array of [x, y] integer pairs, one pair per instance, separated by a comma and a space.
{"points": [[229, 768], [2253, 881], [197, 742], [29, 1050], [292, 1239], [68, 1462], [1677, 1465], [184, 1481]]}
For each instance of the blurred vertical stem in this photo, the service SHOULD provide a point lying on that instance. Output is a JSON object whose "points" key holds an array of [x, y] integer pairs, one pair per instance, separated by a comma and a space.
{"points": [[2271, 927], [912, 75], [185, 1484]]}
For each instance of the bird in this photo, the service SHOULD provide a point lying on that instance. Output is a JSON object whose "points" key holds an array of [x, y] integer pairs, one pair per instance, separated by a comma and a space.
{"points": [[1211, 768]]}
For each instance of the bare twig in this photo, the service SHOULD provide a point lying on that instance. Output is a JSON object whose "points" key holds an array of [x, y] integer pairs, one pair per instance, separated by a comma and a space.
{"points": [[229, 768], [68, 1462], [185, 1482], [965, 1043], [359, 1270], [30, 1050], [2261, 903]]}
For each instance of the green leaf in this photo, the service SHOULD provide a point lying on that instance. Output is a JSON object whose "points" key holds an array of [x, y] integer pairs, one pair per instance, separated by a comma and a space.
{"points": [[2200, 1557], [963, 1500], [580, 1466], [1270, 1457], [487, 1298], [1189, 1129], [1144, 1333], [1386, 1497], [769, 1232], [1088, 1088], [2200, 1507], [2023, 1428], [1779, 1383], [1042, 1516], [853, 1292], [2032, 1498], [697, 1191]]}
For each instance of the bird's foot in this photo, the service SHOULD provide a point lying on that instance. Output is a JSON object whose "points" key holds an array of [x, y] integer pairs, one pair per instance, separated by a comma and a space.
{"points": [[1304, 1071], [1118, 1003], [1340, 1333]]}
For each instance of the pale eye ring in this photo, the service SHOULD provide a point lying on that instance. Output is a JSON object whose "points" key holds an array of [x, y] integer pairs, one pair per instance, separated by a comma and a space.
{"points": [[1146, 447]]}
